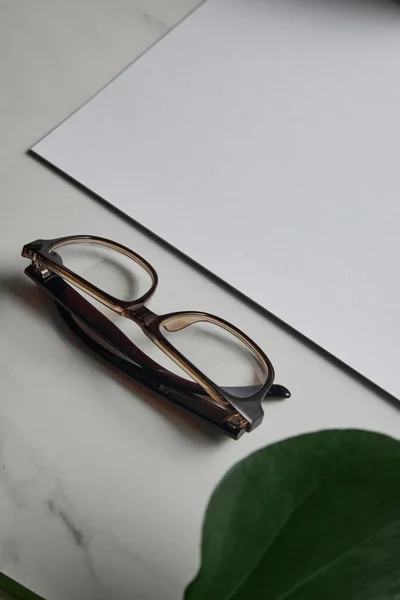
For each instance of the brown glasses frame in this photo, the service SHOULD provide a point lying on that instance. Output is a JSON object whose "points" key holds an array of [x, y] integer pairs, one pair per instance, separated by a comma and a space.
{"points": [[220, 405]]}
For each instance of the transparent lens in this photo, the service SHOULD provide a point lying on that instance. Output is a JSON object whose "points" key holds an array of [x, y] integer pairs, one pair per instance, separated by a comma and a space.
{"points": [[106, 268], [218, 353]]}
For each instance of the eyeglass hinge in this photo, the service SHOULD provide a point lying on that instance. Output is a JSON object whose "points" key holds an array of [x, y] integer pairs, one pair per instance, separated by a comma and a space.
{"points": [[41, 269]]}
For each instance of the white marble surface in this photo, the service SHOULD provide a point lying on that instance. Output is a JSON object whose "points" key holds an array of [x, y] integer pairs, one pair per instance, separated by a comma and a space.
{"points": [[102, 490]]}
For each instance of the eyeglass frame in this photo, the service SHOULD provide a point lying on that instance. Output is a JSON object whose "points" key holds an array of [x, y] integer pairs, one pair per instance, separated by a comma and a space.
{"points": [[243, 413]]}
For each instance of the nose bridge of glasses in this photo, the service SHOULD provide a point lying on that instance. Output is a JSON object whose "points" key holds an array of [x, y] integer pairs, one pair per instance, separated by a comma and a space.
{"points": [[140, 314]]}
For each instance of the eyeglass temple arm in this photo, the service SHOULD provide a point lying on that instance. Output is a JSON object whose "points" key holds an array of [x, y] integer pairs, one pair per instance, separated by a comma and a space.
{"points": [[137, 365], [76, 312]]}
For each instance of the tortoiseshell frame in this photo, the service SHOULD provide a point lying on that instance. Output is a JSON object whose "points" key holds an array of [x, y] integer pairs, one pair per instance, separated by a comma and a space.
{"points": [[233, 414]]}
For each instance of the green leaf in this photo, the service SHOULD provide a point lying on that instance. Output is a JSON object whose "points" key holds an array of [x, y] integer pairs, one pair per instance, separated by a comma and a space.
{"points": [[313, 517], [10, 590]]}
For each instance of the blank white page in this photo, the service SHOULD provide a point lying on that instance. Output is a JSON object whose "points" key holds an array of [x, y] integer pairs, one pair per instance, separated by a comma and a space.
{"points": [[262, 139]]}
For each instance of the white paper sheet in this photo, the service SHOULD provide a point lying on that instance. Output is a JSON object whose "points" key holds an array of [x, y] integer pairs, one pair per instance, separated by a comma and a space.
{"points": [[262, 139]]}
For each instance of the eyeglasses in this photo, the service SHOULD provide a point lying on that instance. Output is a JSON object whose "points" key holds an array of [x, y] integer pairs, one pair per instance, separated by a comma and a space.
{"points": [[205, 348]]}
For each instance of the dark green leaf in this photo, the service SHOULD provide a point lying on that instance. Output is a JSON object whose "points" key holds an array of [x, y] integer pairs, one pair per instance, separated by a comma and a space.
{"points": [[313, 517], [11, 590]]}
